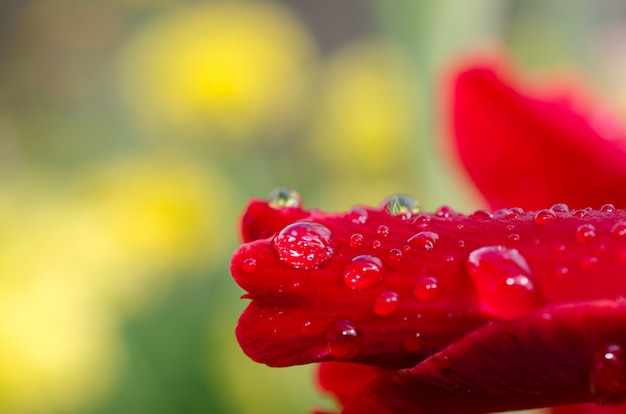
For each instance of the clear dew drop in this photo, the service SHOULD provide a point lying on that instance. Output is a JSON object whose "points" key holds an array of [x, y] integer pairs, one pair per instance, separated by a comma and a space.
{"points": [[513, 237], [481, 215], [445, 212], [395, 255], [357, 215], [382, 231], [401, 205], [503, 281], [607, 208], [423, 240], [344, 340], [363, 272], [377, 244], [283, 197], [305, 245], [423, 221], [249, 265], [561, 271], [545, 217], [607, 376], [585, 233], [426, 289], [514, 212], [386, 303], [579, 213], [560, 208], [619, 229], [356, 240]]}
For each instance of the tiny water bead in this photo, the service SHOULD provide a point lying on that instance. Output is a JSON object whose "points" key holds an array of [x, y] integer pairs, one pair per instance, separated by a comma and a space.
{"points": [[413, 342], [423, 221], [249, 265], [305, 245], [395, 255], [560, 208], [561, 271], [607, 208], [382, 231], [426, 289], [423, 240], [356, 240], [503, 281], [386, 303], [401, 205], [545, 217], [513, 237], [585, 233], [607, 376], [445, 212], [357, 215], [344, 340], [619, 229], [481, 215], [284, 197], [514, 212], [363, 272], [579, 213]]}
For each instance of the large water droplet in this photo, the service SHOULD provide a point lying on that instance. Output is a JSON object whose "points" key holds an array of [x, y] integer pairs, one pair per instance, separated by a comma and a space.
{"points": [[386, 303], [249, 265], [305, 245], [401, 205], [607, 378], [344, 340], [284, 197], [544, 217], [585, 233], [504, 282], [423, 240], [363, 272]]}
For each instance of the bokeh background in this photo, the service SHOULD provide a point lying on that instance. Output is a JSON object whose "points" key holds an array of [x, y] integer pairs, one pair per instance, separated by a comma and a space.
{"points": [[132, 133]]}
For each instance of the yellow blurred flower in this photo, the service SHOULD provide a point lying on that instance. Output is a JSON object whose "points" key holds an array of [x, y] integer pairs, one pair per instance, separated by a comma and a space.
{"points": [[234, 67], [366, 123]]}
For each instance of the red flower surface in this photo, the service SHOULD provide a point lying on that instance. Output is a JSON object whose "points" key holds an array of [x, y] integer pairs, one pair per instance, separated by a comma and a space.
{"points": [[443, 312]]}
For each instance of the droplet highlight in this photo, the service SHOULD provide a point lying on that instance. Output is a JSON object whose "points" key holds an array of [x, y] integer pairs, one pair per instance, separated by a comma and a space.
{"points": [[426, 289], [619, 229], [305, 245], [363, 272], [283, 197], [585, 233], [344, 340], [607, 377], [357, 215], [249, 265], [504, 283], [356, 240]]}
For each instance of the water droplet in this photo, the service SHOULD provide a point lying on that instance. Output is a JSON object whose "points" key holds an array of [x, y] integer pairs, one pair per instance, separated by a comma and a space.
{"points": [[376, 244], [619, 229], [344, 340], [356, 240], [607, 376], [560, 208], [363, 272], [561, 271], [513, 237], [357, 215], [401, 205], [395, 255], [413, 343], [585, 233], [284, 197], [423, 221], [559, 248], [386, 303], [305, 245], [514, 212], [423, 240], [426, 289], [607, 208], [544, 217], [504, 282], [382, 231], [481, 215], [445, 212], [579, 213], [461, 243], [249, 265], [587, 262]]}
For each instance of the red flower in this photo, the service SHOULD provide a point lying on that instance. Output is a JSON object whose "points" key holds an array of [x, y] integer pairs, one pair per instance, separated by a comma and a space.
{"points": [[445, 312]]}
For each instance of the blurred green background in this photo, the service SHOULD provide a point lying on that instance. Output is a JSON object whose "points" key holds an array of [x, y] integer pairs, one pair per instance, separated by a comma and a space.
{"points": [[132, 133]]}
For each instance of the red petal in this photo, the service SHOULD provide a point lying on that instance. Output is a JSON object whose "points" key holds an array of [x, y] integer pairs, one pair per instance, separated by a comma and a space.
{"points": [[260, 220], [531, 152], [525, 261], [344, 379], [565, 354]]}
